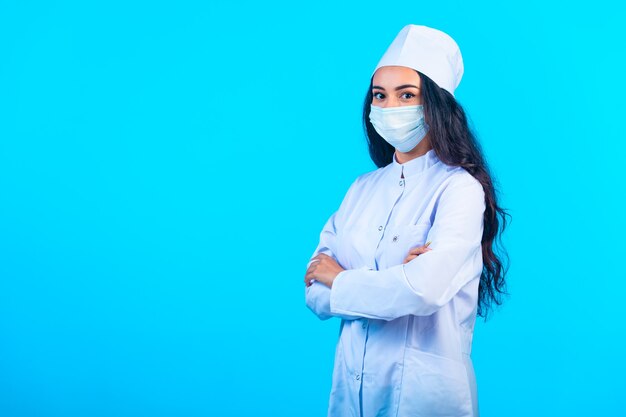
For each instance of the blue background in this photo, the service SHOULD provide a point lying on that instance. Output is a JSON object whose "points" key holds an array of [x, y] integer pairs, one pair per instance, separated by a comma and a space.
{"points": [[166, 169]]}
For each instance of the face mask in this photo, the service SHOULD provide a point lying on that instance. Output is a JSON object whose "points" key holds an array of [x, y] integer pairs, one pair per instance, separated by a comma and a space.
{"points": [[403, 127]]}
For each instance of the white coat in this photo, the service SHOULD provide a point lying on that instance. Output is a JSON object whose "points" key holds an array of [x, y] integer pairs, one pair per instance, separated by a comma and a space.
{"points": [[406, 329]]}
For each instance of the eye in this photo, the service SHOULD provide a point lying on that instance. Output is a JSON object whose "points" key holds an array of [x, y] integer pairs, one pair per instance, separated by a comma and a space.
{"points": [[407, 95], [379, 96]]}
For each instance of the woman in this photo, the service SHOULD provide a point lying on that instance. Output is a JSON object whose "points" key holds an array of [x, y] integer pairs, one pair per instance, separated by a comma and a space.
{"points": [[407, 261]]}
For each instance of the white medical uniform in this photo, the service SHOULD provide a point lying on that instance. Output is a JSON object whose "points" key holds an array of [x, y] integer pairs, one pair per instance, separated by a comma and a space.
{"points": [[406, 329]]}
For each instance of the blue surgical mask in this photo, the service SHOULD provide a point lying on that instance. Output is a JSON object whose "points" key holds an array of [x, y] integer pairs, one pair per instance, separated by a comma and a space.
{"points": [[403, 127]]}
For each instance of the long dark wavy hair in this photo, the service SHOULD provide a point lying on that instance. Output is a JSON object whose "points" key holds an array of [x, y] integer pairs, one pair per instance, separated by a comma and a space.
{"points": [[455, 144]]}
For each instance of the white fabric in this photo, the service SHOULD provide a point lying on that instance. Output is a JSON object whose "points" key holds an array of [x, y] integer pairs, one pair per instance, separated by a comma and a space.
{"points": [[429, 51], [406, 329]]}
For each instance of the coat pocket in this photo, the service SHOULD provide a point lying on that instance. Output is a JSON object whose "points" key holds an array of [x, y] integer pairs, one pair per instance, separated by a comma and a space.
{"points": [[403, 238], [433, 385], [417, 233]]}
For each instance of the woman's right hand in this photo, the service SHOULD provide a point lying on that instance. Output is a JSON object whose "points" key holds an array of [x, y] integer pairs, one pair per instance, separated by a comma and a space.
{"points": [[417, 251]]}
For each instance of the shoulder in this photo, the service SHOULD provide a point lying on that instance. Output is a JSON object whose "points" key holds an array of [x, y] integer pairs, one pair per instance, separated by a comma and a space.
{"points": [[370, 177], [459, 177], [463, 189], [360, 186], [366, 179]]}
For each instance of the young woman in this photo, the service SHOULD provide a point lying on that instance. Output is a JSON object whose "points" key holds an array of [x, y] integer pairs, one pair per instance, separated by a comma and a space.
{"points": [[407, 261]]}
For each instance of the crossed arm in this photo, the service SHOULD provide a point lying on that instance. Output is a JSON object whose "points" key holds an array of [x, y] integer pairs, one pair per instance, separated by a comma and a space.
{"points": [[424, 284]]}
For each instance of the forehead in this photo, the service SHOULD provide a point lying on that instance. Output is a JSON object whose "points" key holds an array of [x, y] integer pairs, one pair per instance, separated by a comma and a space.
{"points": [[395, 75]]}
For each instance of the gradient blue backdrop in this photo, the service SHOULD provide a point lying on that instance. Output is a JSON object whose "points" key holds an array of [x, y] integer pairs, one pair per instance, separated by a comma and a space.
{"points": [[166, 169]]}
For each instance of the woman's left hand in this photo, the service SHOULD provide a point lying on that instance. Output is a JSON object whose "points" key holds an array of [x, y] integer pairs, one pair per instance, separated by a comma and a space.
{"points": [[323, 268]]}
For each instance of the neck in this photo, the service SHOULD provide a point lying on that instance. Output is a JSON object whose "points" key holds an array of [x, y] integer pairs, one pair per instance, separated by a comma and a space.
{"points": [[421, 148]]}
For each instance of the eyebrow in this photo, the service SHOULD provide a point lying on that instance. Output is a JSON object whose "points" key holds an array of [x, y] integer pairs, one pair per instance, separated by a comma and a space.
{"points": [[397, 88]]}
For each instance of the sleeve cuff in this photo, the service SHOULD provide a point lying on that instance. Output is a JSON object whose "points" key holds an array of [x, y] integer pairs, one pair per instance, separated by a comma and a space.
{"points": [[334, 302]]}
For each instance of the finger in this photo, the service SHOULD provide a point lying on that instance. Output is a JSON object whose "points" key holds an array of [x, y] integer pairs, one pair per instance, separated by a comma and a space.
{"points": [[419, 250], [312, 264], [410, 258], [325, 258], [307, 278]]}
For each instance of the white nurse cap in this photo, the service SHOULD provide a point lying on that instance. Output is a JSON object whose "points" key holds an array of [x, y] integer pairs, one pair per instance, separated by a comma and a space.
{"points": [[430, 51]]}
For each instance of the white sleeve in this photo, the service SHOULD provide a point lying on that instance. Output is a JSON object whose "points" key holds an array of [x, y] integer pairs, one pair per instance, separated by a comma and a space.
{"points": [[428, 282], [317, 296]]}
